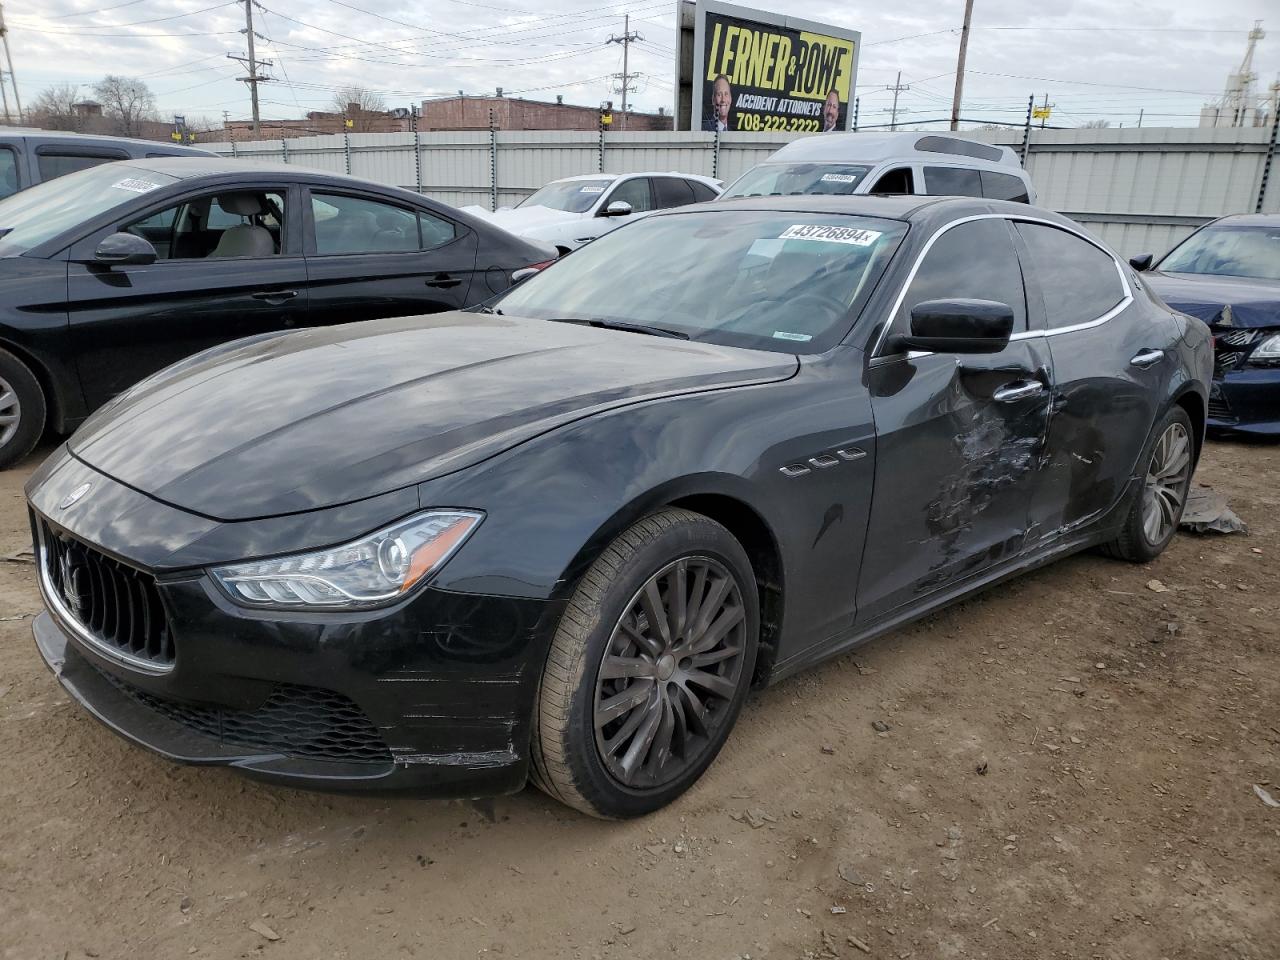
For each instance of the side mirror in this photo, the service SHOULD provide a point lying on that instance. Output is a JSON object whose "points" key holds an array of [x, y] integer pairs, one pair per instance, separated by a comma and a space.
{"points": [[957, 326], [619, 208], [125, 249], [1141, 262]]}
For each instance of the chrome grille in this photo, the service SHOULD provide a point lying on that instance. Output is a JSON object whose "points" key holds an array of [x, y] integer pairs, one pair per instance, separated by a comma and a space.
{"points": [[116, 608]]}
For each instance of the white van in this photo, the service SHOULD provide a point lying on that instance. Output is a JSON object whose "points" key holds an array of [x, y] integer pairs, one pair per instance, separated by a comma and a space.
{"points": [[920, 163]]}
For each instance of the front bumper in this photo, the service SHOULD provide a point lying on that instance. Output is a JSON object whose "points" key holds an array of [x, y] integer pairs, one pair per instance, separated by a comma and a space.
{"points": [[433, 695], [1246, 401]]}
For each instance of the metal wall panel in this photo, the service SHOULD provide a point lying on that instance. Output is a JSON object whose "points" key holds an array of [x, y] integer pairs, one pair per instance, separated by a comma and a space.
{"points": [[1141, 190]]}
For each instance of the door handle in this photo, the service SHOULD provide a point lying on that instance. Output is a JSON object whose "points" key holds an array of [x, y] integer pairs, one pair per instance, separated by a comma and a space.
{"points": [[275, 297], [443, 281], [1147, 358], [1018, 390]]}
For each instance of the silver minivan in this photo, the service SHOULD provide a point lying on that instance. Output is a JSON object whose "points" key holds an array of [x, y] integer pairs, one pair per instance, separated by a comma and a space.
{"points": [[897, 163]]}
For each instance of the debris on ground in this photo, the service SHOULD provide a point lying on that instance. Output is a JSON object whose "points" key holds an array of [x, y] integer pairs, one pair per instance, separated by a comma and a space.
{"points": [[849, 875], [22, 556], [1155, 586], [263, 930], [1265, 797], [859, 944], [879, 726], [1208, 512]]}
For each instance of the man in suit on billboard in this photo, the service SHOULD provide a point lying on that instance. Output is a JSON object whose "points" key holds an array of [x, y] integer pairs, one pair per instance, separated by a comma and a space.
{"points": [[831, 111], [721, 101]]}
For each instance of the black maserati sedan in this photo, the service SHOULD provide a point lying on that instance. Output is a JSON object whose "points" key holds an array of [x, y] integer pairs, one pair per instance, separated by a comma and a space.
{"points": [[559, 538], [111, 273], [1227, 274]]}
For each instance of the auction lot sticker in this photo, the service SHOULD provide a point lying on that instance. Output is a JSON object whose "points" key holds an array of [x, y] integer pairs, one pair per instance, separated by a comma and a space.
{"points": [[134, 185], [849, 235]]}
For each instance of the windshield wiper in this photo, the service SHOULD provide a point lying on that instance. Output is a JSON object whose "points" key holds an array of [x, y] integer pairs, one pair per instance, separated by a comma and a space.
{"points": [[604, 324]]}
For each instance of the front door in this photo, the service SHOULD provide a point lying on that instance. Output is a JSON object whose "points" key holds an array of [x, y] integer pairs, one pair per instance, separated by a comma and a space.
{"points": [[225, 269], [959, 438], [370, 258]]}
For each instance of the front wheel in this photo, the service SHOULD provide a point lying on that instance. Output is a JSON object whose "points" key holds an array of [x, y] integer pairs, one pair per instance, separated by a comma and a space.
{"points": [[1157, 509], [22, 409], [648, 669]]}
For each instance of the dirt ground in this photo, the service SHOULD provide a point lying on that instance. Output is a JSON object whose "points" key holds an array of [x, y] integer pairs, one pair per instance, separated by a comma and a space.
{"points": [[1121, 731]]}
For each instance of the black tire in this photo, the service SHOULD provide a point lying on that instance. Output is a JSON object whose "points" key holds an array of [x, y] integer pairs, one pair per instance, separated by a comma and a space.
{"points": [[20, 395], [567, 748], [1135, 543]]}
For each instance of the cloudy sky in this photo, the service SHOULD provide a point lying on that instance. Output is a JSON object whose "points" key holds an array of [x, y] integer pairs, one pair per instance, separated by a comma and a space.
{"points": [[1095, 59]]}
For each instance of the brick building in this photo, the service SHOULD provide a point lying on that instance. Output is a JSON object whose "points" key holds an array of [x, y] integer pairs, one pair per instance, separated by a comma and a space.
{"points": [[513, 113], [321, 121]]}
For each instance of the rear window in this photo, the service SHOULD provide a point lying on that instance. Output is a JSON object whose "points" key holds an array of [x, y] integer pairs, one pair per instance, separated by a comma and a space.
{"points": [[1080, 283], [1003, 186], [787, 179], [952, 182], [8, 173]]}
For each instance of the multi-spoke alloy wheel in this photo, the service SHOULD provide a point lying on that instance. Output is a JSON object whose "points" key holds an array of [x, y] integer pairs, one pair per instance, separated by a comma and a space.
{"points": [[1165, 490], [649, 666], [671, 667], [10, 411]]}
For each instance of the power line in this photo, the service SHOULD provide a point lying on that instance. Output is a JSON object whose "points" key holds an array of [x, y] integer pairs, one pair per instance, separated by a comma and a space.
{"points": [[138, 23]]}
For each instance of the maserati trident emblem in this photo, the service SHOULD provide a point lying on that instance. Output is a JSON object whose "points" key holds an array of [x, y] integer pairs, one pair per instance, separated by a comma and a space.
{"points": [[74, 496]]}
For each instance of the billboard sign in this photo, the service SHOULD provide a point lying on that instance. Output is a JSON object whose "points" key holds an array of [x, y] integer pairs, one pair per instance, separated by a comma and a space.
{"points": [[755, 71]]}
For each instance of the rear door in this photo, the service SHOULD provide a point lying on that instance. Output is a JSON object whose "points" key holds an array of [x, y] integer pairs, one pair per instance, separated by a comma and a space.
{"points": [[958, 437], [127, 322], [1111, 359], [373, 257]]}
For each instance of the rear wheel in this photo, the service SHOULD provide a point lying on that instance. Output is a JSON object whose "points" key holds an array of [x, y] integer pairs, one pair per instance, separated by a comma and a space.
{"points": [[1157, 508], [22, 409], [648, 669]]}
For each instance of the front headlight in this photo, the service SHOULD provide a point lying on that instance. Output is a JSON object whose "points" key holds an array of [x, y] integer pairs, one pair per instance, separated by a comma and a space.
{"points": [[369, 572], [1268, 349]]}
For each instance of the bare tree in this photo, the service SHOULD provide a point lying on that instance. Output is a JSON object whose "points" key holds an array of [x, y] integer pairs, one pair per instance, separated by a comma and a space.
{"points": [[360, 105], [126, 103], [1096, 124], [54, 107]]}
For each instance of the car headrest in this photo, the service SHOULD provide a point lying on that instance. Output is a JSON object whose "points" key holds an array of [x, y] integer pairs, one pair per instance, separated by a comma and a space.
{"points": [[240, 204]]}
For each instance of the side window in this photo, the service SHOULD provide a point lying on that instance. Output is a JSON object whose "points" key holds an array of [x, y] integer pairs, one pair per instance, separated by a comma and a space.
{"points": [[701, 192], [1003, 186], [435, 231], [952, 182], [58, 163], [635, 192], [1080, 282], [354, 225], [671, 192], [246, 223], [8, 172], [896, 181], [975, 261]]}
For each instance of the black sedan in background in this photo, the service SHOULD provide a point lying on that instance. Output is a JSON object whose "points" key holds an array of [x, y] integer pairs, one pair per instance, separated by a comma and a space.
{"points": [[561, 537], [111, 273], [1227, 273]]}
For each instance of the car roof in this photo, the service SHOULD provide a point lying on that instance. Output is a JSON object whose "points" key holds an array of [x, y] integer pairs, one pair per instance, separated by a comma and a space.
{"points": [[1251, 219], [909, 207], [96, 140], [878, 147], [709, 181]]}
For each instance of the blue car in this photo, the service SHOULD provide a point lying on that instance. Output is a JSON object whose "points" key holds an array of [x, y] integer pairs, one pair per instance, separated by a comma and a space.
{"points": [[1227, 274]]}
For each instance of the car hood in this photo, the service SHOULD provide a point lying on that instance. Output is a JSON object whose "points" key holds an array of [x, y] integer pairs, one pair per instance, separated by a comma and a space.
{"points": [[332, 415], [520, 219], [1253, 303]]}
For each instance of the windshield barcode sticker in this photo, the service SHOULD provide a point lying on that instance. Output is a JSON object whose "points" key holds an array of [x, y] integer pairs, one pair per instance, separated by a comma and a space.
{"points": [[591, 189], [134, 185], [839, 178], [788, 335], [850, 235]]}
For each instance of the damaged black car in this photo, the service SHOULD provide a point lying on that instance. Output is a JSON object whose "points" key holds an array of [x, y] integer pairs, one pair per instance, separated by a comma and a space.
{"points": [[1227, 273], [561, 538]]}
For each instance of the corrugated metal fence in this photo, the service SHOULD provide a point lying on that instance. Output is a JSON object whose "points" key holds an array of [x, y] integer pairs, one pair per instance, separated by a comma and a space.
{"points": [[1142, 190]]}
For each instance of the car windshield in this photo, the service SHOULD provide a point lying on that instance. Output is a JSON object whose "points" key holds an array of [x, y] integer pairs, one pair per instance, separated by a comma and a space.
{"points": [[788, 282], [782, 179], [29, 218], [1229, 251], [571, 196]]}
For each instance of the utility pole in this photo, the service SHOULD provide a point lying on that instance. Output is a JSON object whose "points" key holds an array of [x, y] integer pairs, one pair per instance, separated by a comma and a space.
{"points": [[964, 49], [4, 35], [1141, 111], [896, 88], [626, 40], [252, 63]]}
